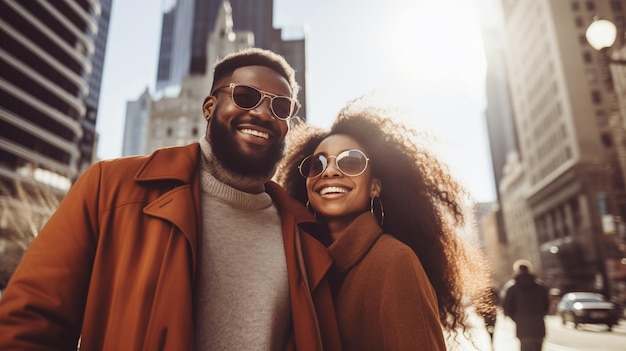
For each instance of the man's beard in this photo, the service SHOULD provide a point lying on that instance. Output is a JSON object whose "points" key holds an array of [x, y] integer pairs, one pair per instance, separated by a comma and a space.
{"points": [[229, 153]]}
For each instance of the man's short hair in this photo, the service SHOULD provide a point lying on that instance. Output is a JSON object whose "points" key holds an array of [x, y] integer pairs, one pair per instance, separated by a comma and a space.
{"points": [[255, 57], [522, 266]]}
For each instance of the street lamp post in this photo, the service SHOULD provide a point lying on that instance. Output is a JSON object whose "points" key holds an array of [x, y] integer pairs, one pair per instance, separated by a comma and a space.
{"points": [[601, 35]]}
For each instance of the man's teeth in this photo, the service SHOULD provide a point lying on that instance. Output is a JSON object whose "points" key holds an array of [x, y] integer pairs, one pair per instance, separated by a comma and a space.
{"points": [[333, 189], [256, 133]]}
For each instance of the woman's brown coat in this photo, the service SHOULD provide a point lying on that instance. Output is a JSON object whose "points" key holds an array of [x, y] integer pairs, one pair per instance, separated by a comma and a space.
{"points": [[386, 301], [116, 264]]}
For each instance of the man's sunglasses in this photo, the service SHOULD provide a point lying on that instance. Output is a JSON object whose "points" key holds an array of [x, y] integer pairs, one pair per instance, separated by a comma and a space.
{"points": [[247, 98], [350, 162]]}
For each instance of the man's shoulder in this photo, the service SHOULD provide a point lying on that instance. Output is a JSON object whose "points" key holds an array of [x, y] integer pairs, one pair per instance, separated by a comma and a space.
{"points": [[284, 201], [164, 152]]}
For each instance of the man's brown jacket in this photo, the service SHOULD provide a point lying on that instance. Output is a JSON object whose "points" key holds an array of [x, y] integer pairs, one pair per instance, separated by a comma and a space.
{"points": [[116, 264]]}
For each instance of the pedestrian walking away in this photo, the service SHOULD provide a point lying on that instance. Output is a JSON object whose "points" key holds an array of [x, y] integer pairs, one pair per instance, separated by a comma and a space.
{"points": [[526, 302]]}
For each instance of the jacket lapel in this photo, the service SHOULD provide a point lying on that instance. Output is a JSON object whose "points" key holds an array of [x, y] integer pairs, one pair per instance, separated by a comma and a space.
{"points": [[178, 168], [175, 206], [314, 256]]}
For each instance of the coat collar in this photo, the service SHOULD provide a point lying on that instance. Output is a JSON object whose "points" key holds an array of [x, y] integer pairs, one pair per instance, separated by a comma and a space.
{"points": [[175, 163], [180, 205], [355, 242], [307, 240], [286, 203], [180, 165]]}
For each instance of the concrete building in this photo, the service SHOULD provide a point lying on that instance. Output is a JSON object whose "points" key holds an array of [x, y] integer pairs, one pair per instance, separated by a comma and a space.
{"points": [[136, 125], [89, 142], [518, 218], [51, 59], [568, 176], [494, 250], [498, 113]]}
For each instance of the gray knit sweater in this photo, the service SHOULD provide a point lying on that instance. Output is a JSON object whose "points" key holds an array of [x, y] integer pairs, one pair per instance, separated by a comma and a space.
{"points": [[242, 294]]}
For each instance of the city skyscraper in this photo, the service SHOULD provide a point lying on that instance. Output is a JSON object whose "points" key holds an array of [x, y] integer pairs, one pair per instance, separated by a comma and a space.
{"points": [[89, 142], [566, 172], [51, 60]]}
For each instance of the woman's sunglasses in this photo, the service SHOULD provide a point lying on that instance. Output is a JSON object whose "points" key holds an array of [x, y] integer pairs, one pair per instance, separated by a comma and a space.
{"points": [[247, 98], [350, 162]]}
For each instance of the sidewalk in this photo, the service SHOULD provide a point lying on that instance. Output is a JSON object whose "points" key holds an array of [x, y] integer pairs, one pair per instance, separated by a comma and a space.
{"points": [[504, 337]]}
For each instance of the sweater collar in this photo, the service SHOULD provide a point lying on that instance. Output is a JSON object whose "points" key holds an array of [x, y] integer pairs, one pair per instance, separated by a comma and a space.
{"points": [[233, 197], [355, 241]]}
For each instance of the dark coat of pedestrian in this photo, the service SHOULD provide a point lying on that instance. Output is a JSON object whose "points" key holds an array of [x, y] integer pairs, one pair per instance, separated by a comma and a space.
{"points": [[527, 302]]}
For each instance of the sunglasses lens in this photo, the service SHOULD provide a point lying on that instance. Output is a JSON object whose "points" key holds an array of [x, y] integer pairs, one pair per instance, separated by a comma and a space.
{"points": [[282, 107], [246, 97], [352, 162], [313, 165]]}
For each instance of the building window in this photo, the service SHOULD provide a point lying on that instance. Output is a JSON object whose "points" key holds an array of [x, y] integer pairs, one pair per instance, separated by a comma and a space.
{"points": [[587, 57], [607, 141], [616, 5], [596, 97], [590, 5], [194, 132], [575, 6], [582, 39], [169, 132], [579, 22]]}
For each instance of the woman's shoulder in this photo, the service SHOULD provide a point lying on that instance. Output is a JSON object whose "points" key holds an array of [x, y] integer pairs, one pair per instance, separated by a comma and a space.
{"points": [[390, 242], [393, 251], [397, 262]]}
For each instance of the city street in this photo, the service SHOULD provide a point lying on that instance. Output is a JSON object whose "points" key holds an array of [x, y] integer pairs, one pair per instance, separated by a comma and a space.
{"points": [[559, 337]]}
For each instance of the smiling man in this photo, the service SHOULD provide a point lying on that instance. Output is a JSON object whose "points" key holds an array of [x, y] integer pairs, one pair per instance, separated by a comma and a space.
{"points": [[189, 248]]}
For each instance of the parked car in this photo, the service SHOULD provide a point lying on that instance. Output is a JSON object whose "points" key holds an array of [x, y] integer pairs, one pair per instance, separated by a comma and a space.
{"points": [[587, 308]]}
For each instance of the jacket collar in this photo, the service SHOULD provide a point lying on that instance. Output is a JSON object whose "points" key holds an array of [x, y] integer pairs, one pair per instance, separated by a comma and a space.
{"points": [[179, 204], [286, 203], [307, 240], [175, 163], [355, 242]]}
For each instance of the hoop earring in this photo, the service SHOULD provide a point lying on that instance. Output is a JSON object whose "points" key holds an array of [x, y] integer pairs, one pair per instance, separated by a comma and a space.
{"points": [[308, 207], [381, 217]]}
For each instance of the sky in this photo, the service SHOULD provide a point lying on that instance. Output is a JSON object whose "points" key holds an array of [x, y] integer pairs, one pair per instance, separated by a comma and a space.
{"points": [[422, 58]]}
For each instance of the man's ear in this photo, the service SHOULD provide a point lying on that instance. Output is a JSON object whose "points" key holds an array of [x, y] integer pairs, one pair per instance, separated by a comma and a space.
{"points": [[207, 106], [376, 187]]}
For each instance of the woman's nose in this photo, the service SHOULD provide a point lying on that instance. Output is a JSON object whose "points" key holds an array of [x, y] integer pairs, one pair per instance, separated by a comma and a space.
{"points": [[331, 169]]}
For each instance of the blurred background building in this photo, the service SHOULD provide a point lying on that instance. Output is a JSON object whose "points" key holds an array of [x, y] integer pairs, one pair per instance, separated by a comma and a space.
{"points": [[51, 62], [553, 111]]}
